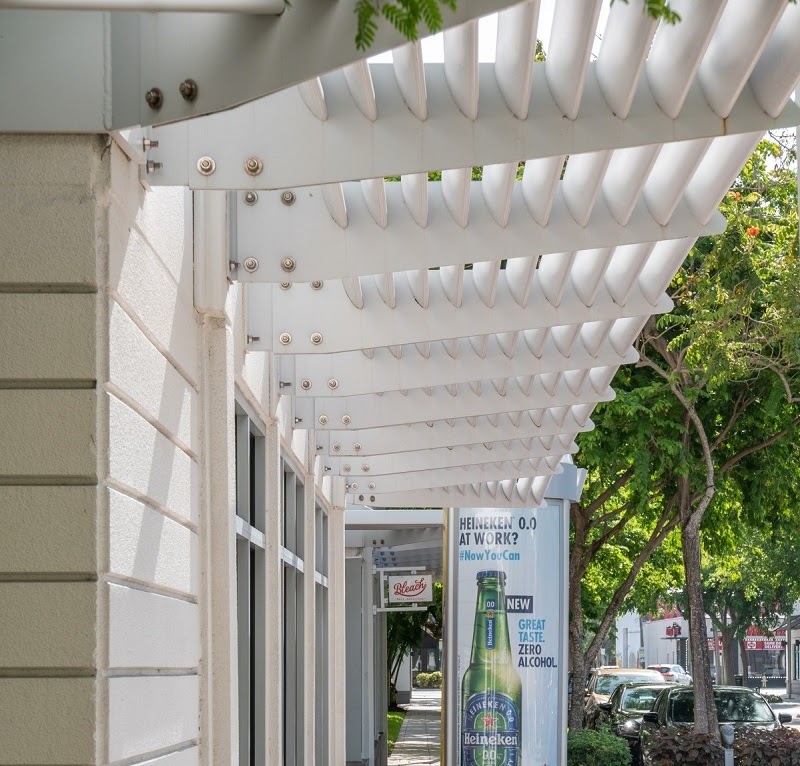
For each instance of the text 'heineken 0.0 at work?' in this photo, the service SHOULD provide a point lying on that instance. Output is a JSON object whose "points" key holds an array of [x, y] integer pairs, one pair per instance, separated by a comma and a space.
{"points": [[510, 641]]}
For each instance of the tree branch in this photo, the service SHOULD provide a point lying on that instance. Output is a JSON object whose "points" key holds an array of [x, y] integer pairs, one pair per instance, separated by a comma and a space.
{"points": [[728, 464]]}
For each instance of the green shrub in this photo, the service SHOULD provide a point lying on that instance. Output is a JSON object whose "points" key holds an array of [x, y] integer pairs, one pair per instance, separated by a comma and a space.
{"points": [[435, 680], [677, 745], [422, 680], [596, 748], [772, 697], [780, 747]]}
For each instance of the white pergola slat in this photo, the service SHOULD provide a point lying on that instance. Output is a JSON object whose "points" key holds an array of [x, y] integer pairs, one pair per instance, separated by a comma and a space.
{"points": [[298, 149], [332, 323], [351, 372], [363, 246], [528, 424]]}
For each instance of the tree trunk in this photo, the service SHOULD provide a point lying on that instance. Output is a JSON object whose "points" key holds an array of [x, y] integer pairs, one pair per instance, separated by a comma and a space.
{"points": [[745, 667], [705, 714], [729, 647], [577, 661]]}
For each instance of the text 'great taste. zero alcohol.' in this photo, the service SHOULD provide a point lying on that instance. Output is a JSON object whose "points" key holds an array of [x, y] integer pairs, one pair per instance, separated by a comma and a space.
{"points": [[491, 690]]}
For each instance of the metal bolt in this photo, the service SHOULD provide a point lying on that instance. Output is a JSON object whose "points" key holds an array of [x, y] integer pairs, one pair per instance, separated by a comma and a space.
{"points": [[346, 468], [253, 166], [154, 98], [354, 485], [285, 285], [357, 446], [148, 144], [323, 420], [288, 198], [206, 166], [305, 384], [372, 497], [327, 468], [336, 446], [188, 89], [285, 338], [151, 166], [333, 384], [250, 198], [298, 420], [372, 485], [360, 497], [250, 265], [288, 264], [284, 384], [253, 338], [316, 338], [365, 468], [316, 284], [346, 419]]}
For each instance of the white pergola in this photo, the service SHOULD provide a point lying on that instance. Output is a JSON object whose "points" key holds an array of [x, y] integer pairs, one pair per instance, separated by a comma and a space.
{"points": [[445, 340]]}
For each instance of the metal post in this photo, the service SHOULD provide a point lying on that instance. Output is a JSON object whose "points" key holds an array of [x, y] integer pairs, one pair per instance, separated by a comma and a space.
{"points": [[788, 662], [726, 732]]}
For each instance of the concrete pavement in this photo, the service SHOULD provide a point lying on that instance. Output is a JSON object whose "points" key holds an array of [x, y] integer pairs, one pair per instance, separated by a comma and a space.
{"points": [[419, 741]]}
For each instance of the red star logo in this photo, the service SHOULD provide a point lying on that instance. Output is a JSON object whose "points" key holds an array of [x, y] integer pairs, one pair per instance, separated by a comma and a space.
{"points": [[490, 613], [489, 721]]}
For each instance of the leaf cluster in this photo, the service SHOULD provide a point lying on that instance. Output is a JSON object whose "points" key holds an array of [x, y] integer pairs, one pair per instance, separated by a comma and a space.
{"points": [[672, 745], [596, 748], [404, 15], [780, 747]]}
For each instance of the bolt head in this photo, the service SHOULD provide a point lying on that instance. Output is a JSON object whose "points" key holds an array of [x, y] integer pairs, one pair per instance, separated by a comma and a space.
{"points": [[372, 486], [285, 338], [288, 264], [346, 419], [333, 384], [354, 485], [316, 338], [305, 384], [357, 446], [365, 468], [288, 198], [206, 166], [316, 284], [250, 265], [372, 497], [250, 198], [323, 420], [285, 285], [188, 89], [346, 468], [253, 166], [154, 98], [336, 446]]}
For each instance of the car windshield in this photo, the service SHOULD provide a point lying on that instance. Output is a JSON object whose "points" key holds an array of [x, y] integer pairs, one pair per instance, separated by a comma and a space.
{"points": [[639, 700], [731, 706], [661, 668], [607, 683]]}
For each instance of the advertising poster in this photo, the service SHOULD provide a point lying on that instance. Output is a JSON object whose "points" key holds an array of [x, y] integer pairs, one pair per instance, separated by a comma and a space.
{"points": [[510, 637]]}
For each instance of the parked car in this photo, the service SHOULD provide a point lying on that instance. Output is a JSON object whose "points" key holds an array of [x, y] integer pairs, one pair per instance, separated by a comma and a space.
{"points": [[739, 707], [673, 674], [623, 712], [603, 682]]}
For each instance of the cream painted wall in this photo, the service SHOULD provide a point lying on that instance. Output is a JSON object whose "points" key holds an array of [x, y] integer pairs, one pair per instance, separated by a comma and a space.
{"points": [[122, 349]]}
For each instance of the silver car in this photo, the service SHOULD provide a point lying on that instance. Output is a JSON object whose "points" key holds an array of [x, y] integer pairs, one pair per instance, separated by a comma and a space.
{"points": [[673, 674]]}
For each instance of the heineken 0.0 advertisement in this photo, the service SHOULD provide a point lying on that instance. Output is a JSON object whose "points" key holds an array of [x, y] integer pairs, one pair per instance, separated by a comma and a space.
{"points": [[510, 637]]}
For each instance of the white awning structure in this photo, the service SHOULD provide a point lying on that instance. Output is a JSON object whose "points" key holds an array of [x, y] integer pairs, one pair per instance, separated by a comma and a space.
{"points": [[447, 338]]}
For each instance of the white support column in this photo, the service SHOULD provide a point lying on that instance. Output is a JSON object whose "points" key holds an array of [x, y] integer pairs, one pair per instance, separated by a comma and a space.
{"points": [[311, 688], [337, 673]]}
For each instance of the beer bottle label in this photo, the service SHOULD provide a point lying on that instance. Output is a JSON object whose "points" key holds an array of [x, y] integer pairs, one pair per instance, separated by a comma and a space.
{"points": [[490, 734]]}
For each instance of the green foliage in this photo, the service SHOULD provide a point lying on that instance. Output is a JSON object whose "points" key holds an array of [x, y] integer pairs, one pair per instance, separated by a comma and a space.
{"points": [[404, 15], [659, 9], [780, 747], [596, 748], [669, 746], [394, 720], [429, 680], [404, 630]]}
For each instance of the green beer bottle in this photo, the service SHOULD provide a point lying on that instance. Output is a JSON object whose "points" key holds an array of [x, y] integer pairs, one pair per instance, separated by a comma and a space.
{"points": [[491, 690]]}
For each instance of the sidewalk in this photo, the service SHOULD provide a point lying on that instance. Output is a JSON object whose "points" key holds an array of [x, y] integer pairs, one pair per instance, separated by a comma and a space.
{"points": [[419, 741], [791, 706]]}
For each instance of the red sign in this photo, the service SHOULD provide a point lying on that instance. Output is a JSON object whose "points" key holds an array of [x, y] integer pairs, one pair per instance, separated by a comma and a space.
{"points": [[415, 588]]}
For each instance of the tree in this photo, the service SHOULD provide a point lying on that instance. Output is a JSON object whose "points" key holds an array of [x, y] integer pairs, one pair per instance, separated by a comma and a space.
{"points": [[732, 341]]}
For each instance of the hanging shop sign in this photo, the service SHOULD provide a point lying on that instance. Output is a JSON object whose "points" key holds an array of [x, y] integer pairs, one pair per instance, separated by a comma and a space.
{"points": [[410, 589], [511, 685]]}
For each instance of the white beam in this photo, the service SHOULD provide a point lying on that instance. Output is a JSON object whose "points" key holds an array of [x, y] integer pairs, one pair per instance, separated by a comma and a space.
{"points": [[321, 249], [446, 476], [395, 408], [353, 373], [271, 7], [357, 518], [298, 149], [329, 318], [441, 434], [88, 71], [369, 466]]}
